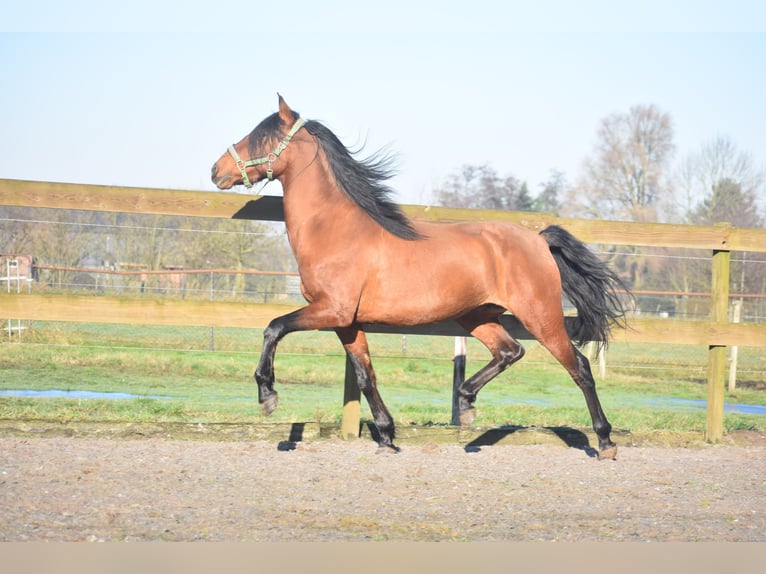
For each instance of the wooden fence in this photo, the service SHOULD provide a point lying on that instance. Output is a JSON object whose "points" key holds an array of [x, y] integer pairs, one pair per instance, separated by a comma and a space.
{"points": [[716, 333]]}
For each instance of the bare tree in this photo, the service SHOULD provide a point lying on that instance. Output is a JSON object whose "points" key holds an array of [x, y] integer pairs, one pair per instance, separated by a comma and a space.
{"points": [[16, 231], [237, 245], [721, 183], [626, 177]]}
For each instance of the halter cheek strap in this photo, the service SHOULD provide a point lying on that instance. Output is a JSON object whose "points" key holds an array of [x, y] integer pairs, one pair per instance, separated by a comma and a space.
{"points": [[269, 159]]}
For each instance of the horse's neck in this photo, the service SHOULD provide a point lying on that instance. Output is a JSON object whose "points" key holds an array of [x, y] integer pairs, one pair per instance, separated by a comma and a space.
{"points": [[315, 209]]}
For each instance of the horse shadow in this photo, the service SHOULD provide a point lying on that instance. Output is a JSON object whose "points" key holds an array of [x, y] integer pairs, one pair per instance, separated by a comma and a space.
{"points": [[573, 438], [296, 436]]}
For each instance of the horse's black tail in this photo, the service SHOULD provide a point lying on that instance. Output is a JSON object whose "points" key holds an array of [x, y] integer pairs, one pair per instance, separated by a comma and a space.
{"points": [[589, 284]]}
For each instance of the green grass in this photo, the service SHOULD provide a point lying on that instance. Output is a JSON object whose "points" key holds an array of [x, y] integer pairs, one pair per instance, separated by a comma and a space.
{"points": [[204, 386]]}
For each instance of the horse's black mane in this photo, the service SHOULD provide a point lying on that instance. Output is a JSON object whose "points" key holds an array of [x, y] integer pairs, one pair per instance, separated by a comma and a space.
{"points": [[265, 136], [361, 180]]}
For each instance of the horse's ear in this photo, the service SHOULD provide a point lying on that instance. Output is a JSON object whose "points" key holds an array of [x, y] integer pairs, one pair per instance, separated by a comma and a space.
{"points": [[287, 115]]}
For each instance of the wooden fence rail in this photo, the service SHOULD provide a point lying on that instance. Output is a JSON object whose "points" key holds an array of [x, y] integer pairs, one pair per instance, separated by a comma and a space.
{"points": [[720, 240], [201, 313]]}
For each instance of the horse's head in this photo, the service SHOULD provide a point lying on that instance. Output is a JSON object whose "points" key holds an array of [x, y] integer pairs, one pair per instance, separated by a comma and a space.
{"points": [[255, 156]]}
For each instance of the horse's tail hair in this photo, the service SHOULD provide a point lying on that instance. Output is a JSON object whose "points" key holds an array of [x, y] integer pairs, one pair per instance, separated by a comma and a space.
{"points": [[589, 284]]}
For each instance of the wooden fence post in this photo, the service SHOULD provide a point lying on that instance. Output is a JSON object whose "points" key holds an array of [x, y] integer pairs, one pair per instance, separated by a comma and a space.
{"points": [[349, 425], [716, 371], [458, 375]]}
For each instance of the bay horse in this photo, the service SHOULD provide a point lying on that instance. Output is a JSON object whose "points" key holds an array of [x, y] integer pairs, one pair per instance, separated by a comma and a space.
{"points": [[362, 260]]}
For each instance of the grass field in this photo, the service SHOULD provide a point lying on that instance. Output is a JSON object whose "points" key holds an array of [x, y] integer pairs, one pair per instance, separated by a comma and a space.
{"points": [[176, 378]]}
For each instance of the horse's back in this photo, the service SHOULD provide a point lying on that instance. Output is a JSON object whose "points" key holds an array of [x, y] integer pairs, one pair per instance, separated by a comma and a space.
{"points": [[504, 238]]}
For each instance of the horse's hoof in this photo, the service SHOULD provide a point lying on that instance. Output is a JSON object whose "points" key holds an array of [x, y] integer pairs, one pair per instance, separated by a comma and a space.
{"points": [[387, 449], [270, 404], [608, 453], [467, 418]]}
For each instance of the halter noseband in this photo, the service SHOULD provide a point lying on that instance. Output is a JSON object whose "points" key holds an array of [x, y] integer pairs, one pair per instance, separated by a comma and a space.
{"points": [[269, 159]]}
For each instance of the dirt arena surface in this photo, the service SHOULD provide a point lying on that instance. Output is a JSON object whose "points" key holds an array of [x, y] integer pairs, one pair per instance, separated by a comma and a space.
{"points": [[150, 489]]}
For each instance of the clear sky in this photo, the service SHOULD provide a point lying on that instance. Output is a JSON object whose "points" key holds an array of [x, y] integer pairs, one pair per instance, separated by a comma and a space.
{"points": [[150, 94]]}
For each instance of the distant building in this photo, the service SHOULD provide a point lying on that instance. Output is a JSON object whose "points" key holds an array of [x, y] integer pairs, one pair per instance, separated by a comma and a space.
{"points": [[16, 269]]}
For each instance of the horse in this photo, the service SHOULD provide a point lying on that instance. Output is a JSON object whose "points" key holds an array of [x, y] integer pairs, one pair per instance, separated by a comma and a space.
{"points": [[362, 260]]}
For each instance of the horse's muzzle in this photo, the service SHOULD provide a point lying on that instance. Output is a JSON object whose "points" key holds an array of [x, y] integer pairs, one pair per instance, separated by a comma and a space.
{"points": [[222, 181]]}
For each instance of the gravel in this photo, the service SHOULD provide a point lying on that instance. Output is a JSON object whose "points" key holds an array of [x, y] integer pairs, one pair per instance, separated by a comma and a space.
{"points": [[96, 489]]}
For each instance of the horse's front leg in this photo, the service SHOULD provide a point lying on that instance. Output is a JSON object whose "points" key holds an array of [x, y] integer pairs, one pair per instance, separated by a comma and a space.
{"points": [[304, 319], [355, 342], [264, 372]]}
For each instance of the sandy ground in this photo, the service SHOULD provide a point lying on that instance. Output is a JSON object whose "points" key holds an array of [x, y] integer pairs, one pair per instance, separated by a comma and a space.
{"points": [[96, 489]]}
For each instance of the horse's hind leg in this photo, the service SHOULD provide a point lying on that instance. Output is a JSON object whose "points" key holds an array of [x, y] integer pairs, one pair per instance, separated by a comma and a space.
{"points": [[355, 343], [606, 448], [505, 351], [578, 367]]}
